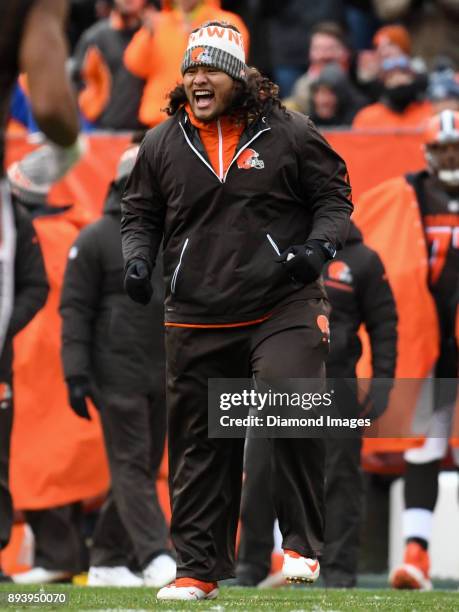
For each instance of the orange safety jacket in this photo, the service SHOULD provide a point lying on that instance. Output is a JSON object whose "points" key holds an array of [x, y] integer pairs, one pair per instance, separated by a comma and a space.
{"points": [[378, 116], [390, 220], [56, 457]]}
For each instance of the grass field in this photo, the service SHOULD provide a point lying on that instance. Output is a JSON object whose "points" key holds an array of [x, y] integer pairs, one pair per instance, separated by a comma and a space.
{"points": [[293, 599]]}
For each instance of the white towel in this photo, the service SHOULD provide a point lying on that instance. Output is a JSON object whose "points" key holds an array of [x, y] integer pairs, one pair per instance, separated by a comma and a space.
{"points": [[7, 254]]}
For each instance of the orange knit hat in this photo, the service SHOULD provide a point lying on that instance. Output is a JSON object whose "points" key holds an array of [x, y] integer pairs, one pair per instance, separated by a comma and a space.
{"points": [[396, 34]]}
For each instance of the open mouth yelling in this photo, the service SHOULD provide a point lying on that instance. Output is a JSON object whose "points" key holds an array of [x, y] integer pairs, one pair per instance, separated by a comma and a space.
{"points": [[203, 98]]}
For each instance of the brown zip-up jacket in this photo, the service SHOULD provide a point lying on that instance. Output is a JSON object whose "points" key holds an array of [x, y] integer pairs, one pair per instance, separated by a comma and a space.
{"points": [[222, 233]]}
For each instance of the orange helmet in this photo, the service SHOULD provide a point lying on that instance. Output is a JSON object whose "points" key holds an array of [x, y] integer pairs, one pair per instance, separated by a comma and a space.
{"points": [[249, 158], [441, 147], [442, 128], [340, 271]]}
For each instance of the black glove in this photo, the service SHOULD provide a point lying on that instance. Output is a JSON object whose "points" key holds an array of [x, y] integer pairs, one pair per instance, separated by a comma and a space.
{"points": [[79, 390], [137, 281], [377, 398], [304, 262]]}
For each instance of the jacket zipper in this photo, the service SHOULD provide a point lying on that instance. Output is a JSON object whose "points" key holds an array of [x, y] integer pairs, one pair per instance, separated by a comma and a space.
{"points": [[176, 271], [220, 151], [223, 178]]}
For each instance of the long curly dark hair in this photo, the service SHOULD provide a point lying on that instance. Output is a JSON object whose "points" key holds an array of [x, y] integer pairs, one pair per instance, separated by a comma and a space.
{"points": [[254, 97]]}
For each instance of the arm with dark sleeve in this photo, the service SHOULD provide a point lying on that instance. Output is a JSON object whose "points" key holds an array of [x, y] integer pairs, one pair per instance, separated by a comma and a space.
{"points": [[143, 210], [379, 315], [31, 283], [79, 304], [325, 185]]}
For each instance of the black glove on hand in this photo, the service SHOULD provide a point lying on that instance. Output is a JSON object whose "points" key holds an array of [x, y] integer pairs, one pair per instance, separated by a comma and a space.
{"points": [[377, 398], [137, 281], [79, 389], [304, 262]]}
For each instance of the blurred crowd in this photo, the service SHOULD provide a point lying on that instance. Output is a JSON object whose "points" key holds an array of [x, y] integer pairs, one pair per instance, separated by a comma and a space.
{"points": [[365, 64]]}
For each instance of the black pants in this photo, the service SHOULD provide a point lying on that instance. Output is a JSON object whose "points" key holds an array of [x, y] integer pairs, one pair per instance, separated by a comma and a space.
{"points": [[6, 504], [59, 541], [257, 513], [344, 497], [131, 529], [206, 474]]}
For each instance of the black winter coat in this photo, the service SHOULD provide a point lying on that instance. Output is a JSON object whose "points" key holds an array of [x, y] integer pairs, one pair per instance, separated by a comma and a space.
{"points": [[359, 293], [222, 235], [105, 336], [30, 285]]}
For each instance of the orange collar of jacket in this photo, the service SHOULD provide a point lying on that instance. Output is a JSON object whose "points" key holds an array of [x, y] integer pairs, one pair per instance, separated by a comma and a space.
{"points": [[227, 124], [220, 139]]}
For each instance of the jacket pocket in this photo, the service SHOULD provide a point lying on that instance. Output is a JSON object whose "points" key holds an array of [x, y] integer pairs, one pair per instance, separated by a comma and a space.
{"points": [[179, 265]]}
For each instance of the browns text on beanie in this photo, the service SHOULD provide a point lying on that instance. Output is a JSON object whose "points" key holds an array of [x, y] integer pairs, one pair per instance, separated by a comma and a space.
{"points": [[217, 46]]}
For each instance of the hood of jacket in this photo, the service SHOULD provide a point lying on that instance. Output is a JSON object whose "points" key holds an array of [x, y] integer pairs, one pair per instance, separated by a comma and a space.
{"points": [[349, 99], [112, 205]]}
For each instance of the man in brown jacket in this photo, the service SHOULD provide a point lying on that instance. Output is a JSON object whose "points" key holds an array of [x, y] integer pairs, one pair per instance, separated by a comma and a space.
{"points": [[251, 202]]}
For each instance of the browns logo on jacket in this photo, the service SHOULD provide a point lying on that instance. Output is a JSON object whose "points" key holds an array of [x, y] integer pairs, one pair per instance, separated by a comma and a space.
{"points": [[223, 233]]}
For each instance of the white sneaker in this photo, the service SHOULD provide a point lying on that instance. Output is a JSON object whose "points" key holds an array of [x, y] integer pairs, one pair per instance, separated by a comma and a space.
{"points": [[40, 575], [119, 576], [188, 593], [299, 569], [160, 571]]}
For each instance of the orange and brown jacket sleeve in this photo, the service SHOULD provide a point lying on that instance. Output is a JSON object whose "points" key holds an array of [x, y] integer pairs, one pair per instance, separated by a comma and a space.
{"points": [[96, 76]]}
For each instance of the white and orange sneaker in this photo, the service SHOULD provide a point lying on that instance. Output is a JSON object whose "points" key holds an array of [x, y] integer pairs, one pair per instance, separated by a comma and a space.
{"points": [[188, 589], [299, 569], [414, 571]]}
